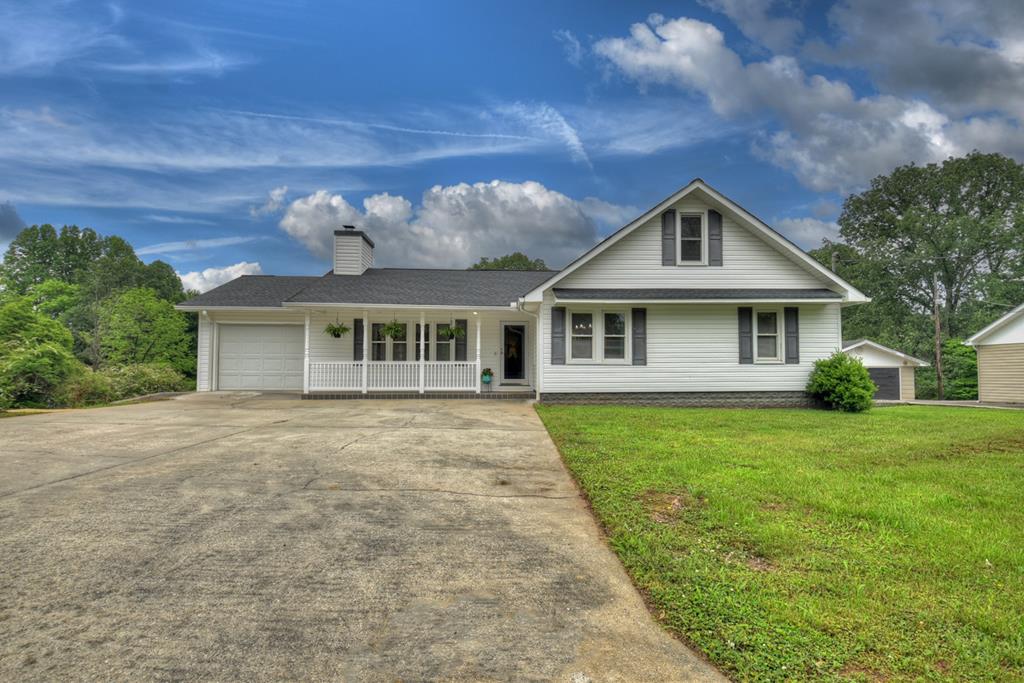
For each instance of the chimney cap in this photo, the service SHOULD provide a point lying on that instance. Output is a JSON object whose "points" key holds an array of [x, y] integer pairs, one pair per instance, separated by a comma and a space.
{"points": [[349, 227]]}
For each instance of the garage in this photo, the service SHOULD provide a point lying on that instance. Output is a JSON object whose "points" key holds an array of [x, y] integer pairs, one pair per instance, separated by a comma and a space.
{"points": [[262, 357], [892, 371]]}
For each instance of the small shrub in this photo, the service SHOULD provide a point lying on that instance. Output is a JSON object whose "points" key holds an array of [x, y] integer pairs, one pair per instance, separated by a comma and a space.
{"points": [[140, 379], [86, 389], [842, 383]]}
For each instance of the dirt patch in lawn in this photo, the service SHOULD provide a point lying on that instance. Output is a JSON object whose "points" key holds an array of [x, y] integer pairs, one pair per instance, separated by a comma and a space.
{"points": [[667, 508]]}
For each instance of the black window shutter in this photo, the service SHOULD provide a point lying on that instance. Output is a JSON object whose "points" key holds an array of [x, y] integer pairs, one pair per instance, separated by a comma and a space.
{"points": [[357, 339], [460, 342], [668, 238], [746, 325], [714, 238], [558, 335], [639, 336], [792, 314]]}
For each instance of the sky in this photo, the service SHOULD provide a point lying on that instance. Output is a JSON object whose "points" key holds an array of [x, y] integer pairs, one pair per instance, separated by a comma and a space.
{"points": [[233, 137]]}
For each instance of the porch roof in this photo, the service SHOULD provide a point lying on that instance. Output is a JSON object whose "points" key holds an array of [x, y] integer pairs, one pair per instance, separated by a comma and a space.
{"points": [[376, 286], [707, 294]]}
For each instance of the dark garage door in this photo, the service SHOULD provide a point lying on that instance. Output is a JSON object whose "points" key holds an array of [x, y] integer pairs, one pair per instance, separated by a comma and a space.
{"points": [[888, 381]]}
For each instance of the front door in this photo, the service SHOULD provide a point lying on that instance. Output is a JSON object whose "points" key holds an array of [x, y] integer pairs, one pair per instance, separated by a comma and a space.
{"points": [[513, 352]]}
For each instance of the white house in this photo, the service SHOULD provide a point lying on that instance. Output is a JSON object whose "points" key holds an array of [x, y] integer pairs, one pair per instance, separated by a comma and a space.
{"points": [[892, 371], [695, 302], [1000, 348]]}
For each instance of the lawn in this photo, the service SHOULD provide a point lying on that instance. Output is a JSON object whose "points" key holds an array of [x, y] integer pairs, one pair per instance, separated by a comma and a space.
{"points": [[801, 544]]}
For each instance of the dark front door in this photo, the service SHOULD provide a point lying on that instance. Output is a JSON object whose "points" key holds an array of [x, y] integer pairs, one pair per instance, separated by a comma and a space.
{"points": [[514, 352]]}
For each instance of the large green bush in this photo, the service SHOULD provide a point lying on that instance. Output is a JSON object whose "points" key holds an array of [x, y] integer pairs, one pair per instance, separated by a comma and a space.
{"points": [[842, 383], [140, 379], [86, 389], [35, 356]]}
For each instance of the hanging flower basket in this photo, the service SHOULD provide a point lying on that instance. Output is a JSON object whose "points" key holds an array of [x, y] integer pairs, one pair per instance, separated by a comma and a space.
{"points": [[393, 329], [337, 329], [449, 332]]}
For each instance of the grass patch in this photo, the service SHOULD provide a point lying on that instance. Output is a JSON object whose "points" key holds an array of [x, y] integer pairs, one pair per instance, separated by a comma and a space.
{"points": [[809, 545]]}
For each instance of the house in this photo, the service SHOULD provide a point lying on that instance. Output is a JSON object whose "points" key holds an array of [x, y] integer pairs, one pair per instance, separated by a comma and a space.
{"points": [[1000, 348], [697, 301], [892, 371]]}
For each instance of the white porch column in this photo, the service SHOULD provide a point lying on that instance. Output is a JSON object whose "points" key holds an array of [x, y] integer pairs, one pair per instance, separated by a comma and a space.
{"points": [[478, 368], [305, 359], [366, 348], [423, 346]]}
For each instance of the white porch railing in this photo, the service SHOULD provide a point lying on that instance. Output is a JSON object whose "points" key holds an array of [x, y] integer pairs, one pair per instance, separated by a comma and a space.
{"points": [[394, 376]]}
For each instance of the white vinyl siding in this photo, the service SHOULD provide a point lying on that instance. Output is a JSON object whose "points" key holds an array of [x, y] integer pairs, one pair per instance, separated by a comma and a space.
{"points": [[1001, 373], [747, 261], [352, 255], [908, 392], [695, 347], [203, 353]]}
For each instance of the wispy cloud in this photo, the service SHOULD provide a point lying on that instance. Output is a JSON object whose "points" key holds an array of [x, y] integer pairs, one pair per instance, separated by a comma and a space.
{"points": [[571, 45], [177, 220], [274, 203], [165, 248], [551, 123]]}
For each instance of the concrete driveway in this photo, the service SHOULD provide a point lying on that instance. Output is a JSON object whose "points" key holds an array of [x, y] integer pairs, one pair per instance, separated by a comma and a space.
{"points": [[245, 536]]}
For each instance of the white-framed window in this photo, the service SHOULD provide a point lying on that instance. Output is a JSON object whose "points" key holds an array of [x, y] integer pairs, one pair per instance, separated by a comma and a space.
{"points": [[400, 344], [581, 336], [384, 349], [599, 335], [378, 343], [691, 239], [768, 338], [444, 347]]}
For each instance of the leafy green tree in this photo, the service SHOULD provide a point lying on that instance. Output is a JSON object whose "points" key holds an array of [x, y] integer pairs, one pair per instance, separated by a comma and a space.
{"points": [[514, 261], [35, 355], [40, 253], [137, 326], [55, 298]]}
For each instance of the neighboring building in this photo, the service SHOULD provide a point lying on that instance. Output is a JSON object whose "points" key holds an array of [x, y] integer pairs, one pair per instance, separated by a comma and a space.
{"points": [[1000, 348], [695, 302], [892, 371]]}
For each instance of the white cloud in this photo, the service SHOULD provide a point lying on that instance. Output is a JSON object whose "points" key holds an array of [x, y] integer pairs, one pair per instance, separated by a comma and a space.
{"points": [[274, 203], [455, 225], [571, 45], [779, 34], [807, 232], [549, 121], [829, 137], [214, 277], [164, 248], [606, 214], [176, 220]]}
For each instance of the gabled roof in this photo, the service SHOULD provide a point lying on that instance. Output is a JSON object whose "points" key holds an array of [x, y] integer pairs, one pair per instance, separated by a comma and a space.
{"points": [[997, 325], [852, 344], [759, 227], [375, 287]]}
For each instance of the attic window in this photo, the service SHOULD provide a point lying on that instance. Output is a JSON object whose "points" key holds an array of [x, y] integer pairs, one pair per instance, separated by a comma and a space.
{"points": [[691, 237]]}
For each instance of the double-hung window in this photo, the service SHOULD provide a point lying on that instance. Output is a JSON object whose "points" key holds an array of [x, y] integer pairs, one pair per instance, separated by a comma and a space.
{"points": [[384, 349], [692, 239], [442, 344], [378, 343], [399, 344], [598, 336], [768, 346]]}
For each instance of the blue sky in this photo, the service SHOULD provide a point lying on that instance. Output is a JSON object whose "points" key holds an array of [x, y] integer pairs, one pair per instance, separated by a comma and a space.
{"points": [[233, 137]]}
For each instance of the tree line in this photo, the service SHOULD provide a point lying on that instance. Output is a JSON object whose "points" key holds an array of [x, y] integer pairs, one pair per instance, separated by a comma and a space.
{"points": [[84, 320]]}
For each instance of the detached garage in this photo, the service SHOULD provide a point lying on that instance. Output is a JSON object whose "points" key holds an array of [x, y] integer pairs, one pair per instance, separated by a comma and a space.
{"points": [[1000, 348], [891, 370]]}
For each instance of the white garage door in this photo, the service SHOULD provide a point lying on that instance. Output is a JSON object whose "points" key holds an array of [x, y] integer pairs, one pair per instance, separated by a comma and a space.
{"points": [[260, 357]]}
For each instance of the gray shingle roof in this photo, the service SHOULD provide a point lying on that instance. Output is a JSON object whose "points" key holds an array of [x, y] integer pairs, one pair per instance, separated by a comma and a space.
{"points": [[692, 294], [401, 286], [423, 287], [255, 291]]}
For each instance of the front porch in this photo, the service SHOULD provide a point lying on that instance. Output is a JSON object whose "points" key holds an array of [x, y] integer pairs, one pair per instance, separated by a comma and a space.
{"points": [[419, 361]]}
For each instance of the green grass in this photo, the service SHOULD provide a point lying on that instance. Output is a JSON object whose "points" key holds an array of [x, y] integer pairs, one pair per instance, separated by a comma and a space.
{"points": [[800, 544]]}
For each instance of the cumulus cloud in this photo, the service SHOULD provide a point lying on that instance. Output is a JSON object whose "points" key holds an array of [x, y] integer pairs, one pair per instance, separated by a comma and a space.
{"points": [[274, 203], [455, 225], [10, 222], [808, 232], [830, 138], [753, 18], [204, 280], [571, 45]]}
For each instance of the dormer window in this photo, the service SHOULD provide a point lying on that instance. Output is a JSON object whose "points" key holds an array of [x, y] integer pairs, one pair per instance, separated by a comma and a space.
{"points": [[691, 239]]}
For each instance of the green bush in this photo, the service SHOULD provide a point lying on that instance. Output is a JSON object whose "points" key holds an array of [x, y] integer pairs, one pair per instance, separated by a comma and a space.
{"points": [[842, 383], [140, 379], [86, 389], [33, 376]]}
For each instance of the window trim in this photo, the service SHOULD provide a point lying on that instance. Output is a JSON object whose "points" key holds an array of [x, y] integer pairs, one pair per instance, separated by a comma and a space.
{"points": [[780, 336], [703, 238], [597, 336]]}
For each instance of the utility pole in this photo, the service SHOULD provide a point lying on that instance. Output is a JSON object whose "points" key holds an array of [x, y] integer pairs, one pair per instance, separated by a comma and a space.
{"points": [[940, 390], [835, 260]]}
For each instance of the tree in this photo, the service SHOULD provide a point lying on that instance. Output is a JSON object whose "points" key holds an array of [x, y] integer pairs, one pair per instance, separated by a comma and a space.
{"points": [[137, 326], [35, 355], [927, 243], [39, 253], [514, 261]]}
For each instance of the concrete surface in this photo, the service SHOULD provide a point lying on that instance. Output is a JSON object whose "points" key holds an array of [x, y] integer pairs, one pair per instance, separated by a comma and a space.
{"points": [[238, 536]]}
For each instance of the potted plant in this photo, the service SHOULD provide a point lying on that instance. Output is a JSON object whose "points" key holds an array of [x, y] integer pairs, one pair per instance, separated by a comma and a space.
{"points": [[393, 329], [336, 329], [486, 375], [449, 332]]}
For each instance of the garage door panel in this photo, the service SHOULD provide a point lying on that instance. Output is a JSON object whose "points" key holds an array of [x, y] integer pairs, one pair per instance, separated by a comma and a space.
{"points": [[260, 357], [888, 382]]}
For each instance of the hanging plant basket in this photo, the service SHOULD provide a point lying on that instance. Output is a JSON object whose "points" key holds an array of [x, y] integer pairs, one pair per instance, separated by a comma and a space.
{"points": [[337, 329], [450, 332], [393, 329]]}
